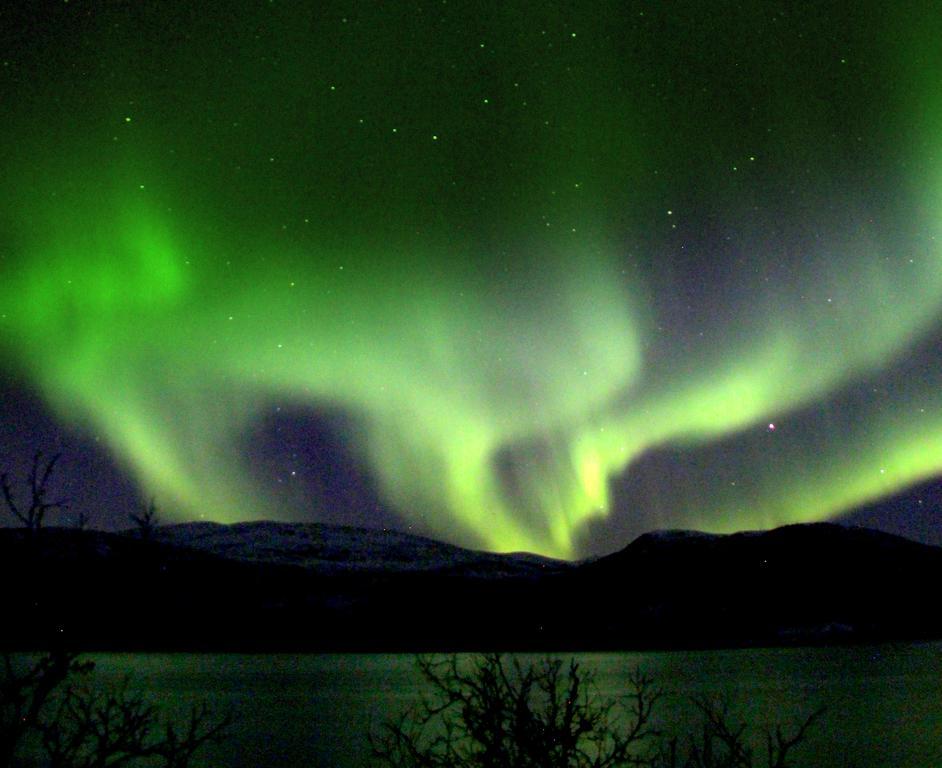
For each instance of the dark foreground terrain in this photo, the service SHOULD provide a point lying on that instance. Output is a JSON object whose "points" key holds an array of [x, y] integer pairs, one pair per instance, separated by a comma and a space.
{"points": [[268, 586]]}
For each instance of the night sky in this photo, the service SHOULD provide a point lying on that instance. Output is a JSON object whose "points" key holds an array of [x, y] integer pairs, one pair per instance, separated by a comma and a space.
{"points": [[516, 275]]}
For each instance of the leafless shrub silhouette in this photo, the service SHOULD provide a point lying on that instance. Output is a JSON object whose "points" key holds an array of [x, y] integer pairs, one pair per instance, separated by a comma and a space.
{"points": [[25, 694], [498, 714], [723, 742], [32, 515], [146, 519], [53, 706]]}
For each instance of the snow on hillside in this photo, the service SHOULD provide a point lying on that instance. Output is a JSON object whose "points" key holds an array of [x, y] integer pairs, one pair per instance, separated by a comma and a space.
{"points": [[679, 534], [345, 548]]}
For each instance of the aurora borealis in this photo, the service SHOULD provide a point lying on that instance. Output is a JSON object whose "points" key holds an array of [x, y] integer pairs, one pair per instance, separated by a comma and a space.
{"points": [[550, 274]]}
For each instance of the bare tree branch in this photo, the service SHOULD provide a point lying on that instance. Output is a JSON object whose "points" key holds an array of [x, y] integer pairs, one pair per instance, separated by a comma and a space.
{"points": [[500, 714], [80, 725], [492, 712], [146, 520], [33, 516]]}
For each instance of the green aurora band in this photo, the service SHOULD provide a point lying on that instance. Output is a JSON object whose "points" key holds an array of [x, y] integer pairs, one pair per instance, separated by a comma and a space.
{"points": [[499, 372]]}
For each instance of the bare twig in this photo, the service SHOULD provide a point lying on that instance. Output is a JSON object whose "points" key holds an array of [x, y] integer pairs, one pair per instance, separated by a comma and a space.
{"points": [[146, 520], [37, 481]]}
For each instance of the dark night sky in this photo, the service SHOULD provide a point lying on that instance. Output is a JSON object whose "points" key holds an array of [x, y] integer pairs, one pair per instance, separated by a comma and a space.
{"points": [[517, 275]]}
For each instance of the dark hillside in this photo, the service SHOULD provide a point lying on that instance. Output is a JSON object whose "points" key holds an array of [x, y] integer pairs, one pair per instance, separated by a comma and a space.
{"points": [[798, 584]]}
